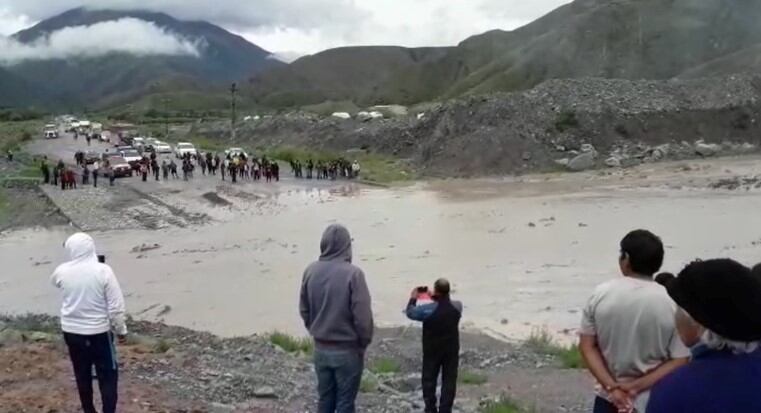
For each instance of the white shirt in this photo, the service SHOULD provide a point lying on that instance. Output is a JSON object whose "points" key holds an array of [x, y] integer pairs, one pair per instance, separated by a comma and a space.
{"points": [[633, 320], [92, 299]]}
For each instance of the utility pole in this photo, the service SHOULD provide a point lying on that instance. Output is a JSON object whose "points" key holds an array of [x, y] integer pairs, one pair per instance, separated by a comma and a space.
{"points": [[166, 118], [233, 91]]}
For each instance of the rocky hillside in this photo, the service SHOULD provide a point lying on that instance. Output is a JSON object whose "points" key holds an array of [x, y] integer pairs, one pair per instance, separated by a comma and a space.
{"points": [[350, 73], [628, 39], [605, 122], [91, 81]]}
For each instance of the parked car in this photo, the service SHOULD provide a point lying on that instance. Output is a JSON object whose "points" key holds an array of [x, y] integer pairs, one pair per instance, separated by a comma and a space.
{"points": [[91, 157], [138, 143], [131, 155], [150, 144], [161, 147], [184, 147], [120, 166], [51, 134], [236, 152]]}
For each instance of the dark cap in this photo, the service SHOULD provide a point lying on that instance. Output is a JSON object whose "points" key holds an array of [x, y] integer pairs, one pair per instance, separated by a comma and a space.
{"points": [[722, 295]]}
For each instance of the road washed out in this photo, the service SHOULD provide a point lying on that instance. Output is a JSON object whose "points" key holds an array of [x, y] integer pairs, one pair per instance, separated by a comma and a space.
{"points": [[521, 253]]}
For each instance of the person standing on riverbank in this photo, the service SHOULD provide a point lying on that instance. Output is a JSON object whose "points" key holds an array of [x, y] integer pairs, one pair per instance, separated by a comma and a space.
{"points": [[45, 169], [92, 311], [441, 343], [719, 317], [628, 337], [336, 308]]}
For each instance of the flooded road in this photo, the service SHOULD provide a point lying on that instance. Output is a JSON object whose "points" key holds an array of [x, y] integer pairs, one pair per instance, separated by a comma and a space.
{"points": [[521, 253]]}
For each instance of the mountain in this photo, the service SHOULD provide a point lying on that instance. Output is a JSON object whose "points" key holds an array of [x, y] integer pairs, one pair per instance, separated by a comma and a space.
{"points": [[90, 81], [629, 39], [348, 73]]}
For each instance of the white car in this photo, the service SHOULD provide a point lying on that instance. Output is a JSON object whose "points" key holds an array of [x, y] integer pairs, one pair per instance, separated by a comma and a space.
{"points": [[236, 152], [161, 147], [138, 143], [184, 147], [130, 154]]}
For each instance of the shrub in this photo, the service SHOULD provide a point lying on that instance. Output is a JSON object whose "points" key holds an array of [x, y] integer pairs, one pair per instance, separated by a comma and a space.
{"points": [[161, 346], [542, 342], [566, 120], [385, 366], [292, 344], [621, 130], [504, 405], [369, 384], [472, 378]]}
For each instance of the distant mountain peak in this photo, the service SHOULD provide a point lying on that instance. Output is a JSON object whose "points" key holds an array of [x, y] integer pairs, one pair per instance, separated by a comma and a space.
{"points": [[96, 69]]}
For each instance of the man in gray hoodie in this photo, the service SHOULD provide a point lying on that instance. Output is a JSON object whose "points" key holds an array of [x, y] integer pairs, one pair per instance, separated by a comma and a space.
{"points": [[336, 308]]}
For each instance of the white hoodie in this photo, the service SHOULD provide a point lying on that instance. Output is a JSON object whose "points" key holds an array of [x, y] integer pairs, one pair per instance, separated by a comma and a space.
{"points": [[92, 299]]}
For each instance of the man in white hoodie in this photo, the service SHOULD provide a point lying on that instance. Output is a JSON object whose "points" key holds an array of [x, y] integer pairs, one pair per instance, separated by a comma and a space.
{"points": [[92, 311]]}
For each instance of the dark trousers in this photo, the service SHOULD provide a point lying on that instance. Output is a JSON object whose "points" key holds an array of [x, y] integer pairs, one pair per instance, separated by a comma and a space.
{"points": [[445, 361], [603, 406], [96, 350]]}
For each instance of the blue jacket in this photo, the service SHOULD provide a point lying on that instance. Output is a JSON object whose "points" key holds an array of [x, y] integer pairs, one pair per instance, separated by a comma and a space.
{"points": [[441, 321], [713, 382]]}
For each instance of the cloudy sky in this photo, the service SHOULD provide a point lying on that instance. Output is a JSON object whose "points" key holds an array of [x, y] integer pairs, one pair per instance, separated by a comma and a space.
{"points": [[298, 27]]}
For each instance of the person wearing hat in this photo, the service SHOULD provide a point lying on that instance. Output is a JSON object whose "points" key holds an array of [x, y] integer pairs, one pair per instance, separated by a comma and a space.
{"points": [[628, 339], [719, 317]]}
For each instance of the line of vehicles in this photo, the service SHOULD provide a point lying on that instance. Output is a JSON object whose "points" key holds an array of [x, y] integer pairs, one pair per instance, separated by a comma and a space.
{"points": [[126, 159]]}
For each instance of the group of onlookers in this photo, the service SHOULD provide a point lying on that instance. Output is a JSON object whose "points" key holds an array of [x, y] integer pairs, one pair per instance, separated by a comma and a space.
{"points": [[325, 169], [667, 344], [674, 344]]}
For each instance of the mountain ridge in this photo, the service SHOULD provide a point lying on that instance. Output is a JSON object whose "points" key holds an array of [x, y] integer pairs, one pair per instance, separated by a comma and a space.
{"points": [[88, 81], [627, 39]]}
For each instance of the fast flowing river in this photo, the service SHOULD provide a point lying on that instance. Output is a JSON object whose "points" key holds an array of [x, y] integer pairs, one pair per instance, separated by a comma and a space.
{"points": [[522, 254]]}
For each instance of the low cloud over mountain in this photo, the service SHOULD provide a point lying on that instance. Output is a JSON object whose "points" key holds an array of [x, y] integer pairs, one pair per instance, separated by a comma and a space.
{"points": [[127, 35]]}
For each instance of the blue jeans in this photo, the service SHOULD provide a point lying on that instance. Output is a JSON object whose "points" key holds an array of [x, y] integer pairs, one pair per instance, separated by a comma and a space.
{"points": [[338, 376], [603, 406]]}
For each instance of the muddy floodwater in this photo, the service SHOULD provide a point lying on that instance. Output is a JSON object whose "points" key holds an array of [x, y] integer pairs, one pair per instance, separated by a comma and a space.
{"points": [[522, 253]]}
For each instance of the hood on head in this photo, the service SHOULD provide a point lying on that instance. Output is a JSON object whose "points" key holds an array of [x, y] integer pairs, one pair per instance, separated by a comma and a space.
{"points": [[80, 246], [336, 244]]}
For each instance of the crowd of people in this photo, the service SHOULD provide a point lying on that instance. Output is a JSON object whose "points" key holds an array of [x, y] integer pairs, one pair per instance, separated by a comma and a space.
{"points": [[235, 167], [325, 169], [655, 344]]}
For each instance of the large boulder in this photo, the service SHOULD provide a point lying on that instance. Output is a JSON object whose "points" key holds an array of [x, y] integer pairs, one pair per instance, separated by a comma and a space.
{"points": [[341, 115], [613, 162], [660, 152], [582, 162], [707, 149]]}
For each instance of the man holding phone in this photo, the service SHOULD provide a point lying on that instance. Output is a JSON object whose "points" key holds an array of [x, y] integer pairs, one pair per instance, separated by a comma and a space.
{"points": [[441, 342], [92, 311]]}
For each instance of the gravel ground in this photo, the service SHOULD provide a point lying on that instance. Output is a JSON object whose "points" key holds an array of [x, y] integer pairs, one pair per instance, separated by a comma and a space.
{"points": [[174, 369]]}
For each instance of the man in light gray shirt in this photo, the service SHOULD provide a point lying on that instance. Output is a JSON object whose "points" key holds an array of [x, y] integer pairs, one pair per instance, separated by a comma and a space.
{"points": [[628, 336], [336, 308]]}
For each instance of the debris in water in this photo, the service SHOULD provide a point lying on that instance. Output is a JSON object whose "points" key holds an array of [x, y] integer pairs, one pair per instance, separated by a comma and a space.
{"points": [[164, 311], [215, 199], [531, 225], [145, 247]]}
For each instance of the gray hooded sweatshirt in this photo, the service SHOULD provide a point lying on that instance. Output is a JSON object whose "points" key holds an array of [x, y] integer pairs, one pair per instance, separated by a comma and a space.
{"points": [[335, 301]]}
